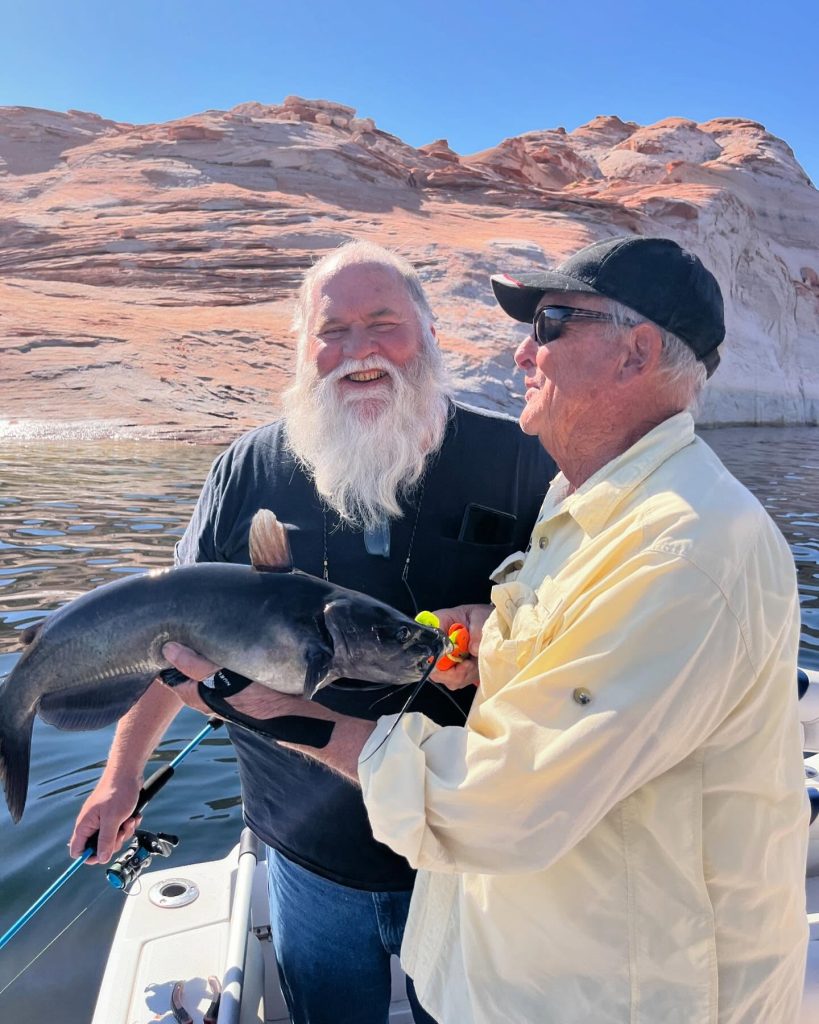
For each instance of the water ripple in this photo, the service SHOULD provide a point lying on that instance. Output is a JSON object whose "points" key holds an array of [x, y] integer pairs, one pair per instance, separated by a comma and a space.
{"points": [[780, 467]]}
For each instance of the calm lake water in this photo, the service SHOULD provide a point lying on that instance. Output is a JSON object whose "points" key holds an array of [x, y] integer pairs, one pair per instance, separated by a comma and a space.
{"points": [[75, 516]]}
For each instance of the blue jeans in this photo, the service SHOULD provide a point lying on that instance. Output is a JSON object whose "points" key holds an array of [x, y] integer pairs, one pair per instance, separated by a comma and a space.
{"points": [[333, 946]]}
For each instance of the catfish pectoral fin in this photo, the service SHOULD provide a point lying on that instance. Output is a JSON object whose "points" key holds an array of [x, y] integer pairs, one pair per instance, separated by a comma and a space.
{"points": [[15, 754], [93, 706], [317, 674], [30, 633]]}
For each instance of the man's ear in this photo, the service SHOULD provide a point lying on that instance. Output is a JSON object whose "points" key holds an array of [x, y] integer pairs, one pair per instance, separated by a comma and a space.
{"points": [[644, 347], [433, 332]]}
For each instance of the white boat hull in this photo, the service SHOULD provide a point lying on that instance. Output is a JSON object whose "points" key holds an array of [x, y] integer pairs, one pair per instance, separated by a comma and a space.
{"points": [[157, 946]]}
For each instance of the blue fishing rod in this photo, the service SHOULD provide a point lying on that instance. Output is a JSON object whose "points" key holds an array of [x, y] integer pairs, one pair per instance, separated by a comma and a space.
{"points": [[156, 782]]}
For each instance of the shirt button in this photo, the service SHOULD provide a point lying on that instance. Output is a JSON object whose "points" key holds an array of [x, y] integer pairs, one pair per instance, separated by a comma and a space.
{"points": [[582, 696], [543, 543]]}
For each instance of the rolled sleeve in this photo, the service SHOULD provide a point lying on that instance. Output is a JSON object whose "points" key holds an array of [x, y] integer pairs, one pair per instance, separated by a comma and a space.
{"points": [[395, 771]]}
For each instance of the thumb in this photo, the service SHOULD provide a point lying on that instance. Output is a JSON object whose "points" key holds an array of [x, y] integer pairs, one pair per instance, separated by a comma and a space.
{"points": [[192, 664]]}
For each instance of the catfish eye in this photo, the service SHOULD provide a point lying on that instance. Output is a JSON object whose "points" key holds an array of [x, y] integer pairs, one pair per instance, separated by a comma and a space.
{"points": [[403, 634]]}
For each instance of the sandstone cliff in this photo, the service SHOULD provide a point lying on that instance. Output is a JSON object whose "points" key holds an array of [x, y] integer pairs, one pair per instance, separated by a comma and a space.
{"points": [[146, 271]]}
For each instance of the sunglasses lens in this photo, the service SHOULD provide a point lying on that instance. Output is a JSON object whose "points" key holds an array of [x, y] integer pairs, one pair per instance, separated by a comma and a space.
{"points": [[549, 324]]}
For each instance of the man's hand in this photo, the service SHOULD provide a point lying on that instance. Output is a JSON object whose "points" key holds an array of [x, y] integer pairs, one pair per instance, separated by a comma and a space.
{"points": [[196, 668], [110, 808], [473, 616], [109, 811], [256, 700]]}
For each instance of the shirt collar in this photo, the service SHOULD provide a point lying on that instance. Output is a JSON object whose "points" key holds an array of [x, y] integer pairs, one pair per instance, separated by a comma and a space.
{"points": [[593, 504]]}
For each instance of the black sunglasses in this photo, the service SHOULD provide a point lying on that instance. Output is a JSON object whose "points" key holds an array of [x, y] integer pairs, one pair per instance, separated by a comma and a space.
{"points": [[550, 320]]}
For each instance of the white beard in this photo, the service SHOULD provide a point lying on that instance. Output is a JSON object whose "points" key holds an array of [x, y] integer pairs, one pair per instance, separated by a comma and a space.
{"points": [[365, 452]]}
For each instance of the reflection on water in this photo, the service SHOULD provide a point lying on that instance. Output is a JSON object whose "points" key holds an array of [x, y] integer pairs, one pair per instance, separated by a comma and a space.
{"points": [[75, 516]]}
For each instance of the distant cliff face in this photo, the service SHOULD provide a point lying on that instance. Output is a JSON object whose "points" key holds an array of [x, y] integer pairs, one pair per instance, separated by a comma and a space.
{"points": [[147, 271]]}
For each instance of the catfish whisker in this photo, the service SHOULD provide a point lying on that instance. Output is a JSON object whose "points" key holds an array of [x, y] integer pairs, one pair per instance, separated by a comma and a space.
{"points": [[444, 692], [390, 693], [416, 689]]}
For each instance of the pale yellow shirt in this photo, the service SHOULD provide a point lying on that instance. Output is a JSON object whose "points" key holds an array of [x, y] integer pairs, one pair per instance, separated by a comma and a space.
{"points": [[618, 836]]}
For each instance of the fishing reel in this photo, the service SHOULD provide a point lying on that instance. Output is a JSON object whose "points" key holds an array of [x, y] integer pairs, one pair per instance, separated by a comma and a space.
{"points": [[138, 854]]}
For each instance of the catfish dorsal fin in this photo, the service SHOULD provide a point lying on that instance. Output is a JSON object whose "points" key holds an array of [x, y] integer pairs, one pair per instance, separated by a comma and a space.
{"points": [[269, 546]]}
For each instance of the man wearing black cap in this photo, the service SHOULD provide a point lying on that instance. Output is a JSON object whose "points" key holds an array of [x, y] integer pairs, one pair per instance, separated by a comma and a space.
{"points": [[619, 833]]}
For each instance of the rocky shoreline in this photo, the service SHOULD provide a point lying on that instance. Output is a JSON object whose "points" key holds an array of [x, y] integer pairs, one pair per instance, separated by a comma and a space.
{"points": [[148, 270]]}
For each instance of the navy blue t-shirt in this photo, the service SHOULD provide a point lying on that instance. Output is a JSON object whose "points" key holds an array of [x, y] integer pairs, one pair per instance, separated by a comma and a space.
{"points": [[294, 804]]}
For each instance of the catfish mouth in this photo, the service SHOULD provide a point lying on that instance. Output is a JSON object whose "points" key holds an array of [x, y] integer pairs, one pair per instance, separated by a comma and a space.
{"points": [[430, 640], [428, 646], [430, 650]]}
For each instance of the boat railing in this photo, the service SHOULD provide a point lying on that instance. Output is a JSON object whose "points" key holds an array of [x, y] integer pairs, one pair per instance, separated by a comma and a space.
{"points": [[233, 976]]}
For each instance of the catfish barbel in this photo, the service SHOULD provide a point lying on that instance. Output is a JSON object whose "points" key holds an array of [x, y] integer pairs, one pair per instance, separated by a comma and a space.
{"points": [[89, 662]]}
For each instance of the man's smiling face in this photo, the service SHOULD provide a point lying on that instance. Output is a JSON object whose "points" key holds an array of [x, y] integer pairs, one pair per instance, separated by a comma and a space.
{"points": [[567, 380], [362, 326]]}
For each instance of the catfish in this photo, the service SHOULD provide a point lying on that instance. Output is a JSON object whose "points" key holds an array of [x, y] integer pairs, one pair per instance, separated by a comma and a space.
{"points": [[90, 661]]}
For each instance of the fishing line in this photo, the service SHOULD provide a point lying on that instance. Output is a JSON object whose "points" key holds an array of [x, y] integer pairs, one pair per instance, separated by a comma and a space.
{"points": [[148, 791], [51, 943], [403, 710], [439, 688]]}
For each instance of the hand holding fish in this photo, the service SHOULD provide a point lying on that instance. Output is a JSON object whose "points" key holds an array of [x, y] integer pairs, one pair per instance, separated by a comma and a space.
{"points": [[256, 701], [340, 753], [473, 616]]}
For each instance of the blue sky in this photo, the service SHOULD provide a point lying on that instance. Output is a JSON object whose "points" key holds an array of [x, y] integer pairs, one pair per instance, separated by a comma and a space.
{"points": [[471, 72]]}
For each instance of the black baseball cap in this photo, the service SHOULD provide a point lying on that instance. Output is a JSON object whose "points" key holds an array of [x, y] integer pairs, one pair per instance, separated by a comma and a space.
{"points": [[655, 277]]}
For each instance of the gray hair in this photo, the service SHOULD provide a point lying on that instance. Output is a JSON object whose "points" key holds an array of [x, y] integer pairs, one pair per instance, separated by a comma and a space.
{"points": [[364, 253], [684, 374]]}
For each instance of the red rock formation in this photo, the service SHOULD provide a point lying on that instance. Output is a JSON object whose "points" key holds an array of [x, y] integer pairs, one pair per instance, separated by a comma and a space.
{"points": [[146, 271]]}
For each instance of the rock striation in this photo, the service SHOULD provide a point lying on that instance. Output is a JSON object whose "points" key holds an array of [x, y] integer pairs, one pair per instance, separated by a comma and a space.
{"points": [[147, 271]]}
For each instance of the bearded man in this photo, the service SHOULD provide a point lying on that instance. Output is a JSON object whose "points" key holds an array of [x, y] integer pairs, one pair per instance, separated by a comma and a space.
{"points": [[388, 487]]}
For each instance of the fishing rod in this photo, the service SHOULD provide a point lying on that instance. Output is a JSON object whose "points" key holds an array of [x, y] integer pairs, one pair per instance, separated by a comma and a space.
{"points": [[156, 782]]}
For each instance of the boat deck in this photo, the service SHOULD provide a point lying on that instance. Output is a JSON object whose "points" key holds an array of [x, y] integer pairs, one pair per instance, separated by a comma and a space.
{"points": [[157, 945]]}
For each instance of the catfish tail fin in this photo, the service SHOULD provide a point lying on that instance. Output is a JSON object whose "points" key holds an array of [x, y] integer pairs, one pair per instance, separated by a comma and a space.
{"points": [[15, 752]]}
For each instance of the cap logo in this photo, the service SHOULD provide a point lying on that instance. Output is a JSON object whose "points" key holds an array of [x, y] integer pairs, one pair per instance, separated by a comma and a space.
{"points": [[508, 279]]}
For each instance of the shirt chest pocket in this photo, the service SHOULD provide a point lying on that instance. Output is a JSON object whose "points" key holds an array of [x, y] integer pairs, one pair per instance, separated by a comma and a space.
{"points": [[526, 621]]}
